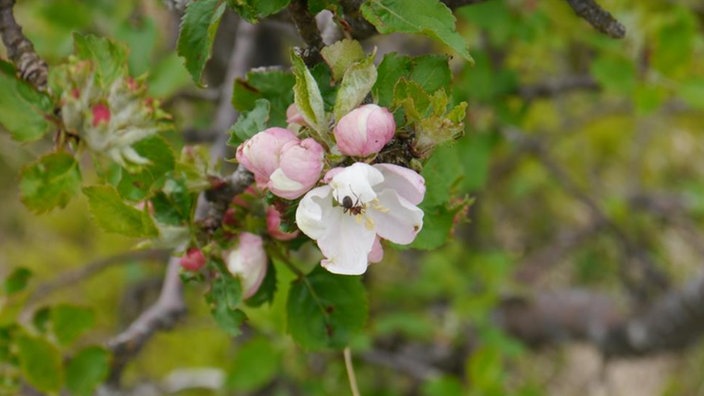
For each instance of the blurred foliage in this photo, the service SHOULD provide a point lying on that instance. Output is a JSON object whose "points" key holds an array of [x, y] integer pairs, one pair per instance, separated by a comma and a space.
{"points": [[636, 139]]}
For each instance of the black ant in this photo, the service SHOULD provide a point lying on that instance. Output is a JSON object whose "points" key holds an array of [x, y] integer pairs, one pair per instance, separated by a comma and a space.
{"points": [[355, 207]]}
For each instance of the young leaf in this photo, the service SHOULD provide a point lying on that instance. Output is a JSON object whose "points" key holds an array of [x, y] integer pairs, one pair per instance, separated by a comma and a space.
{"points": [[40, 363], [356, 84], [325, 310], [109, 58], [254, 10], [429, 17], [273, 85], [341, 55], [249, 123], [113, 215], [23, 109], [224, 298], [195, 40], [140, 185], [86, 370], [17, 280], [70, 321], [50, 182], [307, 95]]}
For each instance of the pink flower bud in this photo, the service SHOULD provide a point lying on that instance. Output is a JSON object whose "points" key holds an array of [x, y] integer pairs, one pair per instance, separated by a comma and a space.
{"points": [[299, 169], [193, 260], [364, 130], [273, 225], [260, 154], [294, 116], [248, 262], [101, 113]]}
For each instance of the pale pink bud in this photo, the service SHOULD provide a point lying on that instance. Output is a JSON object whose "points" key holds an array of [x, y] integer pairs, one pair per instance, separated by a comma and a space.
{"points": [[300, 164], [364, 130], [294, 116], [193, 260], [260, 154], [248, 262], [101, 114], [273, 225]]}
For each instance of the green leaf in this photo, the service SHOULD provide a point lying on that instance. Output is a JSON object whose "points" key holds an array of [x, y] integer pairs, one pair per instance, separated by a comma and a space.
{"points": [[173, 205], [430, 72], [442, 173], [325, 309], [443, 386], [70, 321], [24, 111], [356, 84], [50, 182], [224, 298], [140, 35], [40, 363], [86, 370], [109, 58], [249, 123], [273, 85], [437, 224], [428, 17], [255, 364], [113, 215], [17, 280], [341, 55], [692, 92], [254, 10], [307, 95], [140, 185], [195, 40]]}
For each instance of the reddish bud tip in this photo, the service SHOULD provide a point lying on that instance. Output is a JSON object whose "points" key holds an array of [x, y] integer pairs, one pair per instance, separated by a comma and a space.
{"points": [[101, 113], [193, 260]]}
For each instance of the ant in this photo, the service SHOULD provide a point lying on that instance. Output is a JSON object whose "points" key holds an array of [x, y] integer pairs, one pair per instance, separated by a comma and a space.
{"points": [[355, 207]]}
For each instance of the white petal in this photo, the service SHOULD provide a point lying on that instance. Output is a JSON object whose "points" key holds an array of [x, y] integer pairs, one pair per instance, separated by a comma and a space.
{"points": [[357, 182], [346, 248], [281, 182], [395, 218], [312, 215], [406, 182]]}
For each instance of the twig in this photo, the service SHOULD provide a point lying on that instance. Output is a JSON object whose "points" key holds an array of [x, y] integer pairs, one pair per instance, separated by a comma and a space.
{"points": [[556, 87], [20, 50], [72, 277], [599, 18], [350, 371], [308, 30], [673, 322], [160, 316]]}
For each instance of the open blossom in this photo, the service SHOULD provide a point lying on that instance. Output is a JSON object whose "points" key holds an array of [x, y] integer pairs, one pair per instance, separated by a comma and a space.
{"points": [[359, 205], [364, 130], [281, 162], [248, 262]]}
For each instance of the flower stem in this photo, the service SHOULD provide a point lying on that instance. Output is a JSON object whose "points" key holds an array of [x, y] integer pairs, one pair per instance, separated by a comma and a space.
{"points": [[350, 371]]}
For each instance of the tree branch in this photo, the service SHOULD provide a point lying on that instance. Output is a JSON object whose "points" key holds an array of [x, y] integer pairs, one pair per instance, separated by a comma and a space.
{"points": [[308, 30], [599, 18], [20, 50], [161, 316]]}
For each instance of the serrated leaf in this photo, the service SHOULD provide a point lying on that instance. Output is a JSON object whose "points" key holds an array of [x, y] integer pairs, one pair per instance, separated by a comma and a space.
{"points": [[137, 186], [224, 298], [40, 363], [356, 84], [442, 173], [109, 58], [86, 370], [307, 95], [325, 309], [254, 10], [195, 40], [24, 111], [254, 365], [341, 55], [113, 215], [173, 205], [17, 280], [50, 182], [273, 85], [70, 321], [249, 123], [428, 17], [430, 72]]}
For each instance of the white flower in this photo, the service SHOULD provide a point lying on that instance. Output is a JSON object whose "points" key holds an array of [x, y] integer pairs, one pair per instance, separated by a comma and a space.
{"points": [[360, 203]]}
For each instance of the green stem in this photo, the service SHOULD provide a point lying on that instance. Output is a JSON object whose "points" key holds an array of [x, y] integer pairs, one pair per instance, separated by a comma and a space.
{"points": [[350, 371]]}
